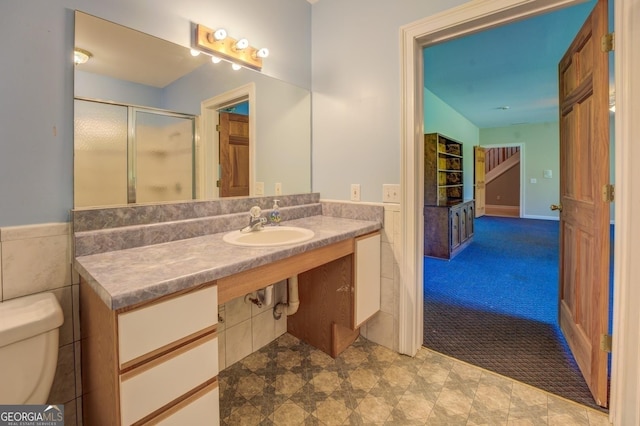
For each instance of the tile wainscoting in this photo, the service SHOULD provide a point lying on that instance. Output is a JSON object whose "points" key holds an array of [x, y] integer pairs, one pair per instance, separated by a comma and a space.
{"points": [[36, 259]]}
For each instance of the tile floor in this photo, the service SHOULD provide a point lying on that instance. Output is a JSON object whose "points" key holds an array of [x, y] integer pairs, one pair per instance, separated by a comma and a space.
{"points": [[291, 383]]}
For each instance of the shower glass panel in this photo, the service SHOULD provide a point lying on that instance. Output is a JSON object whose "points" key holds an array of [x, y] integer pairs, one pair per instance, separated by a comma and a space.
{"points": [[124, 154], [163, 156], [100, 154]]}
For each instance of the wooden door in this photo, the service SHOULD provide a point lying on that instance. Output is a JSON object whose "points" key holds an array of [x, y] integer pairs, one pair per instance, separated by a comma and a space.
{"points": [[234, 155], [479, 187], [584, 214]]}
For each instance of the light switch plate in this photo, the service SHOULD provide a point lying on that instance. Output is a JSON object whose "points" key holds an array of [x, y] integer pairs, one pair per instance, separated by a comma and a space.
{"points": [[390, 193], [259, 189], [355, 192], [533, 180], [278, 188], [547, 174]]}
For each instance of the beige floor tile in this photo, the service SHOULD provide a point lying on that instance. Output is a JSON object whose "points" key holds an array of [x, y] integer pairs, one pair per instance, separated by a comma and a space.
{"points": [[369, 384]]}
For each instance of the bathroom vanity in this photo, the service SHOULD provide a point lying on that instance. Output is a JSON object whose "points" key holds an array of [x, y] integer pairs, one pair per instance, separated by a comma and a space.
{"points": [[149, 313]]}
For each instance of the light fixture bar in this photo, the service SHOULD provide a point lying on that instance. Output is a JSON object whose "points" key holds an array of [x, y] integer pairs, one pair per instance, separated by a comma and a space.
{"points": [[225, 48]]}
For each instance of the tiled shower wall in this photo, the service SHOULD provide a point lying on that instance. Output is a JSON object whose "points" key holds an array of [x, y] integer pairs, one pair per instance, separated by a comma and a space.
{"points": [[35, 259]]}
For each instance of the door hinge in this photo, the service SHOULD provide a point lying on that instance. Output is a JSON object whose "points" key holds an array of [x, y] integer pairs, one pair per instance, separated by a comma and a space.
{"points": [[608, 42], [218, 183], [217, 127], [608, 193], [605, 343]]}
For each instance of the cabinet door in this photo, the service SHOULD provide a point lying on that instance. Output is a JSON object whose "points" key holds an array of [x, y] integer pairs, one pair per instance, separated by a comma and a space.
{"points": [[454, 228], [463, 224], [470, 220], [367, 278]]}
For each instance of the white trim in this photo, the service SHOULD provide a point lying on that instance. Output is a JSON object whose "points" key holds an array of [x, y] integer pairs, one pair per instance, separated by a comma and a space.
{"points": [[535, 216], [477, 15], [523, 186], [625, 374], [209, 142]]}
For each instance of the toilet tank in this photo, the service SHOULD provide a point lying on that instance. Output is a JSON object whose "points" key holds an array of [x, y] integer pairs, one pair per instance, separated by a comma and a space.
{"points": [[28, 347]]}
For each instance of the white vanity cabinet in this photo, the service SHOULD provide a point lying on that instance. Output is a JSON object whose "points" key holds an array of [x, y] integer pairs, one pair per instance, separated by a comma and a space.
{"points": [[153, 363], [366, 278]]}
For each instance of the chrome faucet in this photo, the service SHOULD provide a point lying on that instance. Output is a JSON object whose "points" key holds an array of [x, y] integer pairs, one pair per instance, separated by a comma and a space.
{"points": [[256, 222]]}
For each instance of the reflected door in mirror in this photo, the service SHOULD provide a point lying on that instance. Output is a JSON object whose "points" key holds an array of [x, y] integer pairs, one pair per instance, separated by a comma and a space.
{"points": [[234, 155]]}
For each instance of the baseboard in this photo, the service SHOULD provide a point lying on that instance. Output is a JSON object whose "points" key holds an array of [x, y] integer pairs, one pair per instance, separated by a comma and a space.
{"points": [[499, 210], [533, 216]]}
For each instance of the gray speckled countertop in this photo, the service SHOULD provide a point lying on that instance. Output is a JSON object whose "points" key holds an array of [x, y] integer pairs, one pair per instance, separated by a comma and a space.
{"points": [[125, 277]]}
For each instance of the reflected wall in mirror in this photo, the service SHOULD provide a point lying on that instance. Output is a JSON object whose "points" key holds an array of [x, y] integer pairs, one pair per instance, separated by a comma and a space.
{"points": [[142, 73]]}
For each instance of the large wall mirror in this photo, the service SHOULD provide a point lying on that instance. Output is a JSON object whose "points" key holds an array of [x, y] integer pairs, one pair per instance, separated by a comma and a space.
{"points": [[153, 123]]}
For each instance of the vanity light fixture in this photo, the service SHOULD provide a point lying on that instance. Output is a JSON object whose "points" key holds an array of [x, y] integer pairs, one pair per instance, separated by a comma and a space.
{"points": [[195, 52], [80, 56], [220, 34], [238, 52], [261, 53], [235, 67], [215, 59]]}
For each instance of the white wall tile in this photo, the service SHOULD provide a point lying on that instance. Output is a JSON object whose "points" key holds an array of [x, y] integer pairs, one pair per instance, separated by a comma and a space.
{"points": [[64, 297], [381, 330], [63, 388], [238, 342], [263, 329], [387, 296], [34, 265], [255, 310], [75, 293], [237, 311], [386, 260]]}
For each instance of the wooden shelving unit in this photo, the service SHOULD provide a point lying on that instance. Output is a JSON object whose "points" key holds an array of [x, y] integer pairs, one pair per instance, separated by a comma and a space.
{"points": [[448, 219]]}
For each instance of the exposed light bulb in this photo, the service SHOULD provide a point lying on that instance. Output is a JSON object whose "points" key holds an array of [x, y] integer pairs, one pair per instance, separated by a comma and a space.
{"points": [[195, 52], [220, 34], [262, 53], [241, 44], [215, 59], [235, 67]]}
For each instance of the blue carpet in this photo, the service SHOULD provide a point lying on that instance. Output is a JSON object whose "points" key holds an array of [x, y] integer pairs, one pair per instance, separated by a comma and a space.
{"points": [[495, 305], [510, 268]]}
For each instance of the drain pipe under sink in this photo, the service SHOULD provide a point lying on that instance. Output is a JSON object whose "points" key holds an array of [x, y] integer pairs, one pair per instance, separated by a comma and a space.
{"points": [[291, 307]]}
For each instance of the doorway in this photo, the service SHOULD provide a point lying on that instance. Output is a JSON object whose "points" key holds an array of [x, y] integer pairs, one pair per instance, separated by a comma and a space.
{"points": [[454, 23], [240, 100]]}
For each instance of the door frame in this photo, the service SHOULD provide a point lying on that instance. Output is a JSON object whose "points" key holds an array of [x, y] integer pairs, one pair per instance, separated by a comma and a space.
{"points": [[207, 146], [522, 170], [474, 16]]}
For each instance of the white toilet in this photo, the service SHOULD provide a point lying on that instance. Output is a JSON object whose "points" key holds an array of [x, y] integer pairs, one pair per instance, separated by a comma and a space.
{"points": [[28, 348]]}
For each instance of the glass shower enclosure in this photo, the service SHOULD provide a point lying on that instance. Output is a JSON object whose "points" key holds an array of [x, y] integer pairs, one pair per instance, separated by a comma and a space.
{"points": [[126, 154]]}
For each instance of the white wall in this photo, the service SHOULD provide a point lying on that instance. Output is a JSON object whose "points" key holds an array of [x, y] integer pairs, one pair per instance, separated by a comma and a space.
{"points": [[36, 80], [356, 92]]}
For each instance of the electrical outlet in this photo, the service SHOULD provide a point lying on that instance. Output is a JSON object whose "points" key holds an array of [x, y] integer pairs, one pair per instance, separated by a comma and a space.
{"points": [[278, 188], [259, 188], [390, 193], [355, 192]]}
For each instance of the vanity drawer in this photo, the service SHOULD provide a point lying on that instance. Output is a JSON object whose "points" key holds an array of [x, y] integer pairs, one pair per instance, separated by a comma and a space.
{"points": [[157, 383], [203, 407], [158, 325]]}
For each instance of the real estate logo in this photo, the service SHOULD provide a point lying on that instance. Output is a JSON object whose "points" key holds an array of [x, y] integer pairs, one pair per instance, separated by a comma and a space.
{"points": [[31, 415]]}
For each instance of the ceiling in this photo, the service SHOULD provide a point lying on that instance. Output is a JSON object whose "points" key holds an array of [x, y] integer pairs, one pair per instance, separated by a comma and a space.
{"points": [[512, 66], [130, 55]]}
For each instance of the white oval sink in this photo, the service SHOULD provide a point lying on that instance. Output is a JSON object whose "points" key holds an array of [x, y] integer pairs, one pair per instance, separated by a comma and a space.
{"points": [[269, 236]]}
